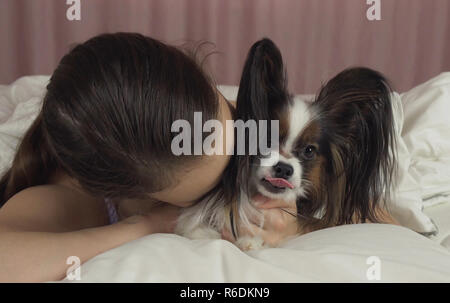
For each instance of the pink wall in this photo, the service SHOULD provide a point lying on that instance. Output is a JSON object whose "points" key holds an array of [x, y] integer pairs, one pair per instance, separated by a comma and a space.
{"points": [[318, 38]]}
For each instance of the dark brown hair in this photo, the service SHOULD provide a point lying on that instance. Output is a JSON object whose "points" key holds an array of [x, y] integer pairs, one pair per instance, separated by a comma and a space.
{"points": [[107, 114]]}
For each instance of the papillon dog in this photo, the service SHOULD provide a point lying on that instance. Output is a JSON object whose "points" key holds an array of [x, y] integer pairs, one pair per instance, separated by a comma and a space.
{"points": [[335, 157]]}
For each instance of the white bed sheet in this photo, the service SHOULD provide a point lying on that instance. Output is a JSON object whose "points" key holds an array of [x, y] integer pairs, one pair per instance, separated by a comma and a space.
{"points": [[440, 214]]}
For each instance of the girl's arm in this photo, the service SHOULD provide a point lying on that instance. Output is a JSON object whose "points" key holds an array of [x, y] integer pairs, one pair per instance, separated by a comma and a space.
{"points": [[40, 254]]}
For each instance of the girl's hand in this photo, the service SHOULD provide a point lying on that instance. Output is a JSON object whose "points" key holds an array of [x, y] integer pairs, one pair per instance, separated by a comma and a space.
{"points": [[280, 221]]}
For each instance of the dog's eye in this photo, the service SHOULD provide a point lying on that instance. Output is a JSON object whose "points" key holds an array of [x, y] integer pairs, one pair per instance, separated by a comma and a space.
{"points": [[309, 152]]}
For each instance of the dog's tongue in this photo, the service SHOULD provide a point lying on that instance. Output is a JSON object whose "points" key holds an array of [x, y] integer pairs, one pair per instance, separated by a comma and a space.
{"points": [[279, 182]]}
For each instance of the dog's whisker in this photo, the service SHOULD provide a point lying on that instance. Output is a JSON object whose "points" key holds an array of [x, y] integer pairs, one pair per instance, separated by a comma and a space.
{"points": [[285, 210]]}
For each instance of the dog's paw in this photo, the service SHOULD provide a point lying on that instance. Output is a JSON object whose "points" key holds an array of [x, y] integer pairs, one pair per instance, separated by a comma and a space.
{"points": [[250, 243]]}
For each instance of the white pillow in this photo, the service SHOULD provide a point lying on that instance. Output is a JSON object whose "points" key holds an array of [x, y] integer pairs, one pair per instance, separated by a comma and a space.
{"points": [[426, 132], [407, 205], [349, 253], [20, 104]]}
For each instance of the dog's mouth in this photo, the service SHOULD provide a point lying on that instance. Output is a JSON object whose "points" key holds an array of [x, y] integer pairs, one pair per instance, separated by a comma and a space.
{"points": [[276, 185]]}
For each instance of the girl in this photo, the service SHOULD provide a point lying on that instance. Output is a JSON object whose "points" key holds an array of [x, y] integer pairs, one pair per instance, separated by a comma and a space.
{"points": [[99, 152]]}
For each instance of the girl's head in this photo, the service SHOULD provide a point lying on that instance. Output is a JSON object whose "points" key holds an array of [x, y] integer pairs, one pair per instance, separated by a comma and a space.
{"points": [[106, 121]]}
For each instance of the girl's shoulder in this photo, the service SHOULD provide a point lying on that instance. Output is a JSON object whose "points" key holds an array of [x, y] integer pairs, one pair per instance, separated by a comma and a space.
{"points": [[52, 208]]}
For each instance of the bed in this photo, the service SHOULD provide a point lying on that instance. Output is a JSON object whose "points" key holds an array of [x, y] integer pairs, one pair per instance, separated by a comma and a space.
{"points": [[417, 251]]}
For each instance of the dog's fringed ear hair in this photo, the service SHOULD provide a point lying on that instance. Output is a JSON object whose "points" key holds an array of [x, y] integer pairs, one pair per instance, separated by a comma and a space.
{"points": [[263, 85], [262, 90], [262, 95], [356, 111]]}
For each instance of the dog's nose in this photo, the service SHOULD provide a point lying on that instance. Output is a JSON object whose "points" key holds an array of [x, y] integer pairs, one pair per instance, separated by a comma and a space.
{"points": [[283, 170]]}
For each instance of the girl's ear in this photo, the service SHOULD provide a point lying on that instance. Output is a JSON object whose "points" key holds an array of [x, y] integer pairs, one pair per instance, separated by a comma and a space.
{"points": [[263, 86]]}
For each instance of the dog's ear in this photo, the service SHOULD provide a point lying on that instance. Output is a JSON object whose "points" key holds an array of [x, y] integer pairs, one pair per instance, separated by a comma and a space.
{"points": [[262, 96], [356, 111], [263, 85]]}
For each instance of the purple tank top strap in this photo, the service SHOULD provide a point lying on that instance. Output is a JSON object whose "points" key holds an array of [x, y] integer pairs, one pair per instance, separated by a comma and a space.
{"points": [[112, 211]]}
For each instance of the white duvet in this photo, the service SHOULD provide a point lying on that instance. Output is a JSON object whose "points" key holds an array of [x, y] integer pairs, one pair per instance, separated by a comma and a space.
{"points": [[335, 254]]}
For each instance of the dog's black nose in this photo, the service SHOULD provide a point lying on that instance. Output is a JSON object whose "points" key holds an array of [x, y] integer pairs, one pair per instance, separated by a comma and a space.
{"points": [[283, 170]]}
